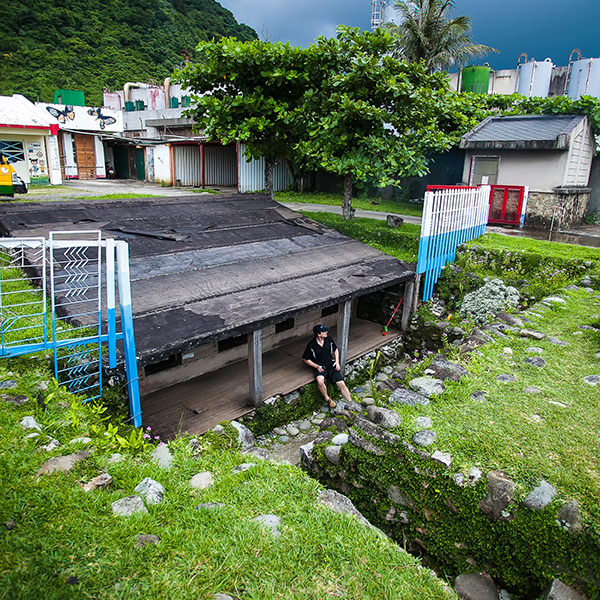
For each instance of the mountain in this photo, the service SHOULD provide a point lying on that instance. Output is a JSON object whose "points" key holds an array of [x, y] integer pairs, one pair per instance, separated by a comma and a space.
{"points": [[90, 45]]}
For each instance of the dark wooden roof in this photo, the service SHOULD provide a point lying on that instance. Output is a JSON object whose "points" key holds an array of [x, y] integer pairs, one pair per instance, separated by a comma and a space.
{"points": [[209, 268]]}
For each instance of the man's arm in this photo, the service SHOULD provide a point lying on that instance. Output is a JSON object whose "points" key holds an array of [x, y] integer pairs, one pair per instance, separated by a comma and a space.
{"points": [[336, 356], [314, 365]]}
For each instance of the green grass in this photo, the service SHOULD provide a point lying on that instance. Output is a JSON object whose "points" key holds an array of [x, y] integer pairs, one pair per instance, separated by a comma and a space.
{"points": [[402, 243], [123, 196], [66, 543], [376, 204]]}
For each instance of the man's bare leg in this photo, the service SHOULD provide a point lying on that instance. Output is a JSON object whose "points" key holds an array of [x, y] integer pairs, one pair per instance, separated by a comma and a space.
{"points": [[345, 391], [323, 389]]}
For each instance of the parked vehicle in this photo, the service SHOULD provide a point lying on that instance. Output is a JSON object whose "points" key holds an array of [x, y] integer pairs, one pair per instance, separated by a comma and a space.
{"points": [[10, 182]]}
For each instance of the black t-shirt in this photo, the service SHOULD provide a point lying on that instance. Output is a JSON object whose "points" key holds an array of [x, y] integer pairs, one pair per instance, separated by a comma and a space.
{"points": [[321, 355]]}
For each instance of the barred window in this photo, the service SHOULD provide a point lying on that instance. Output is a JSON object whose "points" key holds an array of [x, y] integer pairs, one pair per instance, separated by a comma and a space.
{"points": [[13, 151]]}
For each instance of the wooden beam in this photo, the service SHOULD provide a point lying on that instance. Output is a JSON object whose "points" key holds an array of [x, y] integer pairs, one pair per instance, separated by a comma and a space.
{"points": [[255, 367], [407, 305], [343, 330]]}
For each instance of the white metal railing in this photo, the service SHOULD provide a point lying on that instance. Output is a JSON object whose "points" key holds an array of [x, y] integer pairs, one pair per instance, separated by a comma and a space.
{"points": [[451, 216]]}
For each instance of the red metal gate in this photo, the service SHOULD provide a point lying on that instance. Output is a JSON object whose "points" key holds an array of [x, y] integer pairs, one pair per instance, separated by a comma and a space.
{"points": [[506, 203]]}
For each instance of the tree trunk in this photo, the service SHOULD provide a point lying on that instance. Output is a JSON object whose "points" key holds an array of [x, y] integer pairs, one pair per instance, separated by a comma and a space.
{"points": [[269, 164], [347, 210]]}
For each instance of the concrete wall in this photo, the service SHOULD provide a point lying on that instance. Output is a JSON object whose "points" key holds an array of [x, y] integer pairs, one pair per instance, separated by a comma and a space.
{"points": [[594, 203], [162, 164], [542, 170]]}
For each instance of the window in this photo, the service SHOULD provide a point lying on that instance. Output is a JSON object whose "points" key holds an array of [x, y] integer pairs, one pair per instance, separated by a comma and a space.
{"points": [[13, 151], [163, 365], [284, 326], [330, 310], [233, 342], [484, 170]]}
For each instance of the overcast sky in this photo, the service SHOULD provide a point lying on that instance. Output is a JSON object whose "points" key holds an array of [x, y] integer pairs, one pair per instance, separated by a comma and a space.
{"points": [[540, 28]]}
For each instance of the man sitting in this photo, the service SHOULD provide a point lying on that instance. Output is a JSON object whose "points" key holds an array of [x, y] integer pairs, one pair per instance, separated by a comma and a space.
{"points": [[323, 356]]}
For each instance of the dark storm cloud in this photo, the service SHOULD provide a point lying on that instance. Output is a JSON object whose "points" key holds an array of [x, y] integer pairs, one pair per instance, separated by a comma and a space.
{"points": [[540, 28]]}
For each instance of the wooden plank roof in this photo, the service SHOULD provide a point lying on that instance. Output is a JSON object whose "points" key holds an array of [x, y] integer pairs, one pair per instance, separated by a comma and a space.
{"points": [[209, 268]]}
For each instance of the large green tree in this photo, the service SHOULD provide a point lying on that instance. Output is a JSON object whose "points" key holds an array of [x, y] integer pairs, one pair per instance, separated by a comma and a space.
{"points": [[428, 32]]}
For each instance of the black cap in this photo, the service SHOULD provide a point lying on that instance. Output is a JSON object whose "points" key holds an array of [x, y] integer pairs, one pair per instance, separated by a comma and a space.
{"points": [[319, 329]]}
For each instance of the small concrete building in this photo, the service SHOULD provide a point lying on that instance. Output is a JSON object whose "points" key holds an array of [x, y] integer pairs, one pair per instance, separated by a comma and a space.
{"points": [[225, 291], [549, 154]]}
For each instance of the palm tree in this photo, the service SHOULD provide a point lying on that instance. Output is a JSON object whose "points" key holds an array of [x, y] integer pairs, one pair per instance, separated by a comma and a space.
{"points": [[427, 32]]}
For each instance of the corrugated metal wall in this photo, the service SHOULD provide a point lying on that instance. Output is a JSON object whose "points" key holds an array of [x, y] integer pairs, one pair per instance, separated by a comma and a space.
{"points": [[251, 175], [188, 170], [220, 165]]}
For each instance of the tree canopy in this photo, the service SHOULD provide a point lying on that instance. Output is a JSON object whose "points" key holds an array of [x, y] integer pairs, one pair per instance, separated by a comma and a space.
{"points": [[88, 45], [428, 32]]}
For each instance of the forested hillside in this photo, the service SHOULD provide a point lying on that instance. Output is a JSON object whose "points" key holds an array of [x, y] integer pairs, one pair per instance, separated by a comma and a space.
{"points": [[92, 44]]}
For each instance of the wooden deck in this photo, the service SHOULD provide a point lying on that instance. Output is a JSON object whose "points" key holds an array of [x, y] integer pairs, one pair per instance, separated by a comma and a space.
{"points": [[197, 405]]}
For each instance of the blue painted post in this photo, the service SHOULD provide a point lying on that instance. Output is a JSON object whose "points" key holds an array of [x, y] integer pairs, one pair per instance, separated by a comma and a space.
{"points": [[133, 387], [111, 303]]}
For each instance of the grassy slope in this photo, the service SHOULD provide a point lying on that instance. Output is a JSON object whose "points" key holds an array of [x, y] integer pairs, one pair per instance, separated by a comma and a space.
{"points": [[66, 543]]}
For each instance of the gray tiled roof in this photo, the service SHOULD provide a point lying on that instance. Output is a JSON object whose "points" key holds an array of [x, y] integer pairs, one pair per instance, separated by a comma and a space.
{"points": [[538, 130]]}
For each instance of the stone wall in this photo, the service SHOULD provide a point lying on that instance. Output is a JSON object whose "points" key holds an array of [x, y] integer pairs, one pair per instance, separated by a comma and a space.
{"points": [[378, 307], [568, 207]]}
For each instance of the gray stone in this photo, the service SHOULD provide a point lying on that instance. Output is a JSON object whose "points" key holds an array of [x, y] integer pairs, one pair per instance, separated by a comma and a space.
{"points": [[284, 439], [162, 456], [305, 425], [554, 300], [243, 468], [8, 384], [407, 397], [289, 398], [540, 497], [201, 481], [530, 333], [367, 401], [367, 445], [292, 431], [81, 440], [335, 422], [473, 477], [30, 436], [501, 492], [51, 445], [442, 369], [531, 389], [340, 504], [30, 423], [209, 506], [18, 400], [258, 452], [353, 406], [472, 342], [143, 539], [62, 463], [557, 342], [129, 506], [479, 395], [115, 458], [588, 328], [340, 439], [102, 481], [271, 522], [534, 350], [535, 361], [245, 436], [442, 457], [511, 320], [279, 431], [332, 453], [571, 287], [152, 491], [220, 596], [557, 590], [425, 437], [472, 586], [569, 518], [557, 403], [397, 497], [427, 386], [375, 431], [506, 378], [423, 422], [592, 379], [384, 417]]}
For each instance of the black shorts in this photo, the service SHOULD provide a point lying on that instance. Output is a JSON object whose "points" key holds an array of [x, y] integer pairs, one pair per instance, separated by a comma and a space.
{"points": [[330, 373]]}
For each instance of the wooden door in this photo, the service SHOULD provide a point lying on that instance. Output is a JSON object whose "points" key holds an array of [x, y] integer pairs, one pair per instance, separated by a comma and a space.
{"points": [[85, 152]]}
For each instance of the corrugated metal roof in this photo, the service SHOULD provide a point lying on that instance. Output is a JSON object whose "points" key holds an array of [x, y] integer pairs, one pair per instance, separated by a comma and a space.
{"points": [[542, 131], [17, 111]]}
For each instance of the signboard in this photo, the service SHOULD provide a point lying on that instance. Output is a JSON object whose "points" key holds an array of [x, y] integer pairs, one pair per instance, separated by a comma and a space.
{"points": [[84, 118]]}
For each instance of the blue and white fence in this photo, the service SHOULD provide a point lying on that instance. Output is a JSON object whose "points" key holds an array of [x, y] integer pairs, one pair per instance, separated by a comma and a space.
{"points": [[80, 268], [451, 216]]}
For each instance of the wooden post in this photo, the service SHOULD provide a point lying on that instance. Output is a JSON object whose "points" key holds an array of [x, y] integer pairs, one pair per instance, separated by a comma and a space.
{"points": [[343, 331], [407, 308], [415, 299], [255, 367]]}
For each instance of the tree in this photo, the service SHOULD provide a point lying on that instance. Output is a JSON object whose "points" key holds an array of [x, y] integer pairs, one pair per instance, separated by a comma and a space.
{"points": [[251, 92], [427, 32], [374, 118]]}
